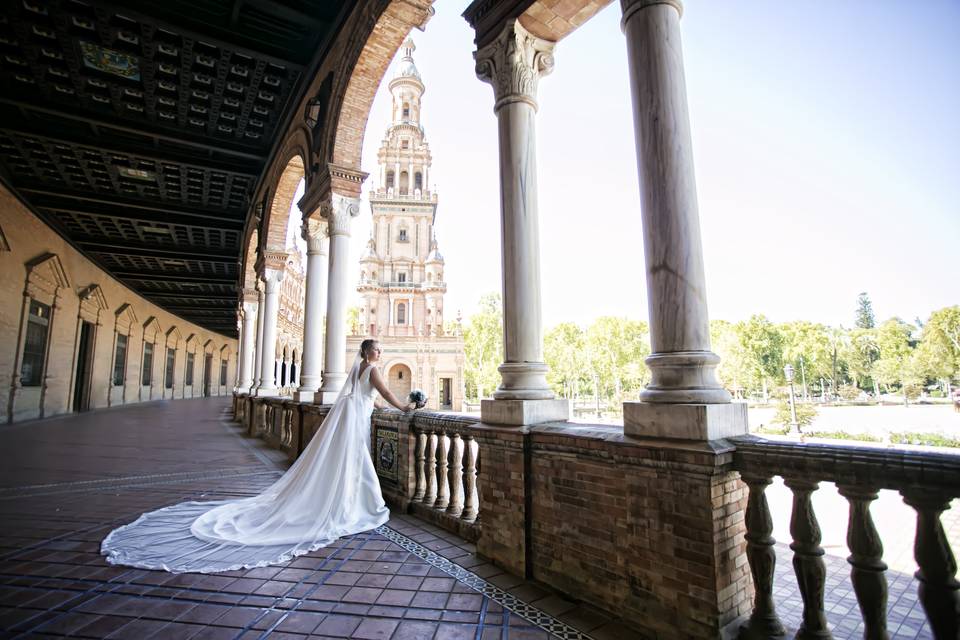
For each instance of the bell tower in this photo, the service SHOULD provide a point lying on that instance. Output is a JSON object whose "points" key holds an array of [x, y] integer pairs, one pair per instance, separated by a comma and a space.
{"points": [[402, 284]]}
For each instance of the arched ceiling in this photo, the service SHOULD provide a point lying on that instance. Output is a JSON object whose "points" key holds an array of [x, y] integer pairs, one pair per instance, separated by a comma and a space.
{"points": [[139, 132]]}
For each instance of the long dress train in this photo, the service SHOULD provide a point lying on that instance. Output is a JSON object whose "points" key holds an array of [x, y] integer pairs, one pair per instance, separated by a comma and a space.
{"points": [[331, 491]]}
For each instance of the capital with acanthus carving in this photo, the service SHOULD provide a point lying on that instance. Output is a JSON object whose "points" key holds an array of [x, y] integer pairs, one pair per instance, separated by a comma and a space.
{"points": [[314, 231], [338, 211], [513, 64]]}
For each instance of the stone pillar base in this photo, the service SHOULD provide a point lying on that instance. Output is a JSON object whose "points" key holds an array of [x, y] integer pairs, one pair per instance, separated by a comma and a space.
{"points": [[684, 421], [521, 412], [267, 393], [304, 396], [325, 397]]}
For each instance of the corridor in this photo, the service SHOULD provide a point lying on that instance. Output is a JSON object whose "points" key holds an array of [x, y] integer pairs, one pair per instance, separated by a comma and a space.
{"points": [[66, 482]]}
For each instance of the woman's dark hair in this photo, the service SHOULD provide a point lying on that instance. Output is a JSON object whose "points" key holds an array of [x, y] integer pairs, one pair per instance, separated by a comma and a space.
{"points": [[366, 344]]}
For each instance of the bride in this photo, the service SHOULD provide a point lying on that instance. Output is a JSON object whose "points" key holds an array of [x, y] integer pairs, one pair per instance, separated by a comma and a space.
{"points": [[330, 491]]}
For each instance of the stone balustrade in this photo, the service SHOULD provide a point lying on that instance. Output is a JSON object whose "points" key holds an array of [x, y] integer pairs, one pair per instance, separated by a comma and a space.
{"points": [[668, 533], [927, 482]]}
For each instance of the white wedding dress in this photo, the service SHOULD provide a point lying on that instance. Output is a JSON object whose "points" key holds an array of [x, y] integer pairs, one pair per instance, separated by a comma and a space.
{"points": [[330, 491]]}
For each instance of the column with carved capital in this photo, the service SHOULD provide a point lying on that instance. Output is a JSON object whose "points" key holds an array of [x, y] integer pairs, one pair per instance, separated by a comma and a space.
{"points": [[272, 275], [258, 348], [315, 233], [682, 366], [513, 64], [248, 340], [338, 212]]}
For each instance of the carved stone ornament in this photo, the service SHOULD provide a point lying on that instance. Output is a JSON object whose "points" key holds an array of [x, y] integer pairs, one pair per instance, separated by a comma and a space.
{"points": [[513, 64], [272, 260], [315, 233], [338, 211]]}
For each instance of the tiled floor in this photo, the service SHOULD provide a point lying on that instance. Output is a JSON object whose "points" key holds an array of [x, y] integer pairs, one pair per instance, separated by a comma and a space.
{"points": [[66, 482]]}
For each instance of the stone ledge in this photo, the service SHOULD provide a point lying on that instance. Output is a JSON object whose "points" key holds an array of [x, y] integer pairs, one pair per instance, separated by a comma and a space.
{"points": [[523, 412], [684, 421]]}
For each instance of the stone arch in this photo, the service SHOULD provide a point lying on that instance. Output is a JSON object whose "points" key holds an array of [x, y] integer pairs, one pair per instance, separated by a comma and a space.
{"points": [[273, 227], [362, 79]]}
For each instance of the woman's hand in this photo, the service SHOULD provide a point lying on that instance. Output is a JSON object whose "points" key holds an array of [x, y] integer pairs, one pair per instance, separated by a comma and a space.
{"points": [[410, 407]]}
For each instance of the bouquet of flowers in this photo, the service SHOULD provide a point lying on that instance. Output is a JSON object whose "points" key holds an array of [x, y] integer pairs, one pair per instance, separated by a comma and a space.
{"points": [[418, 397]]}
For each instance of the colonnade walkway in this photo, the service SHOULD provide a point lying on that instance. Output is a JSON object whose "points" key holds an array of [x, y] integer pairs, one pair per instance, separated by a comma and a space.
{"points": [[66, 482]]}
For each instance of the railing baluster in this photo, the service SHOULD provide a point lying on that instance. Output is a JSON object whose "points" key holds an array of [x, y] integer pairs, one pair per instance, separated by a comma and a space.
{"points": [[420, 451], [456, 475], [866, 561], [808, 562], [430, 468], [764, 622], [443, 479], [471, 500], [939, 590]]}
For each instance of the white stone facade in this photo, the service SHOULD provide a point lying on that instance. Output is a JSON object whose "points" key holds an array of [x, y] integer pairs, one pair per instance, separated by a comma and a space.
{"points": [[401, 272]]}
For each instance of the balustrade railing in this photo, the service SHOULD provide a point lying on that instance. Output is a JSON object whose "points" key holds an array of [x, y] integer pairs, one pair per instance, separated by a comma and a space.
{"points": [[926, 481], [446, 464]]}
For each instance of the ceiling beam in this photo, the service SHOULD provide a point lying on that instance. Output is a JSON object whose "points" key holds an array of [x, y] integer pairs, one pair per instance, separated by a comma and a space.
{"points": [[98, 246], [176, 295], [141, 152], [148, 218], [153, 276], [219, 219], [200, 310]]}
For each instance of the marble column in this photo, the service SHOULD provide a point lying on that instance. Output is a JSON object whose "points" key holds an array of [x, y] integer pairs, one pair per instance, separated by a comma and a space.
{"points": [[338, 212], [513, 64], [271, 306], [682, 366], [248, 341], [258, 348], [315, 233]]}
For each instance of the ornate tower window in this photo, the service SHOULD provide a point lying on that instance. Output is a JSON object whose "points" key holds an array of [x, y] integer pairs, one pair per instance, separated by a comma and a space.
{"points": [[401, 277], [406, 110], [390, 177], [403, 236], [418, 181], [404, 182], [401, 312]]}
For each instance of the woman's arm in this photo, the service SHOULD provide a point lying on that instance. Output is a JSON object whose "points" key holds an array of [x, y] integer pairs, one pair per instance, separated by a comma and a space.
{"points": [[386, 393]]}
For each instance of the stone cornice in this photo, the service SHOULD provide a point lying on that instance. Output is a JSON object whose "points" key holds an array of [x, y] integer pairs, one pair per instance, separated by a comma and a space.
{"points": [[271, 261], [513, 64]]}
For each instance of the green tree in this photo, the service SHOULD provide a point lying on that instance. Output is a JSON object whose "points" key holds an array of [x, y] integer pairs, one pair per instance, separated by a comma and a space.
{"points": [[563, 351], [483, 347], [734, 370], [806, 346], [763, 345], [353, 322], [616, 349], [896, 364], [861, 357], [864, 318], [939, 348]]}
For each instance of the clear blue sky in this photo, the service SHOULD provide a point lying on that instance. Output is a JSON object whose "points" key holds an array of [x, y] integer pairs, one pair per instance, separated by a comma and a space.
{"points": [[827, 150]]}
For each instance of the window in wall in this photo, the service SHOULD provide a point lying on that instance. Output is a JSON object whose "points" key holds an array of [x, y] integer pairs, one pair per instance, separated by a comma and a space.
{"points": [[418, 180], [223, 372], [120, 361], [403, 236], [35, 346], [147, 376], [401, 313], [406, 110], [404, 144], [404, 182], [168, 374], [390, 176], [401, 277], [188, 379]]}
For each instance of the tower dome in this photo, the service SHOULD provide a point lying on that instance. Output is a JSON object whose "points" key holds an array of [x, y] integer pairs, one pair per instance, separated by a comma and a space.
{"points": [[407, 67]]}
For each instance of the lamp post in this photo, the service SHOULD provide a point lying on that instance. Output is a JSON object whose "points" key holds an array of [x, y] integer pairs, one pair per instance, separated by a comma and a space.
{"points": [[794, 425]]}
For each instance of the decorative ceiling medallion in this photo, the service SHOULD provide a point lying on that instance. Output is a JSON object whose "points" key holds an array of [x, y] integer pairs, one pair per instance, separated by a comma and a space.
{"points": [[110, 61]]}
